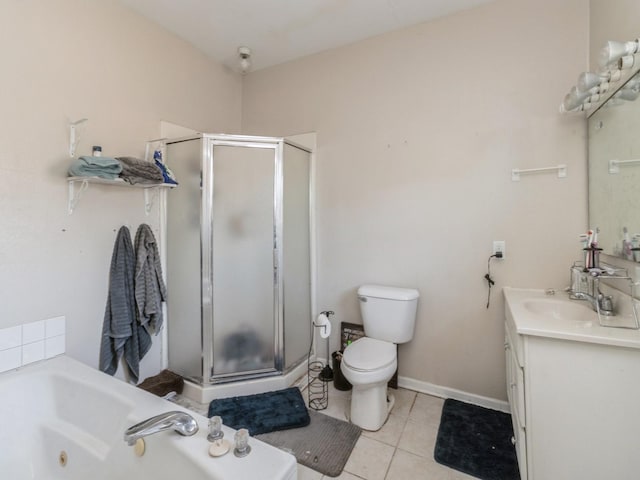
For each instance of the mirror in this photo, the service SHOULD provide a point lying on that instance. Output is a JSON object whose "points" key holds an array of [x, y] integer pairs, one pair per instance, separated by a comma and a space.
{"points": [[614, 172]]}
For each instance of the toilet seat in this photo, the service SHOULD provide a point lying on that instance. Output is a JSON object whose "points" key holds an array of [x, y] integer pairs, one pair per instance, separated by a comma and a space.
{"points": [[369, 354]]}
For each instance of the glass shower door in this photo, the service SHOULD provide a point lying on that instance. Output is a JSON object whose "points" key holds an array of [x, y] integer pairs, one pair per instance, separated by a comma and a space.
{"points": [[297, 254], [244, 306]]}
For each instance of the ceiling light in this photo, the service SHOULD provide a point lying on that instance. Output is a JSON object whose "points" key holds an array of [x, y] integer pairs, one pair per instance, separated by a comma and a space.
{"points": [[244, 53]]}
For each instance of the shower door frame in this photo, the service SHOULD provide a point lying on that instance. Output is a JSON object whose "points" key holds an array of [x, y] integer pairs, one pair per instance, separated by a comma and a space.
{"points": [[209, 142]]}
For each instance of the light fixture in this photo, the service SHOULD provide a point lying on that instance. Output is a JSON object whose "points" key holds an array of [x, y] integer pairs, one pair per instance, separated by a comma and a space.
{"points": [[588, 80], [578, 101], [628, 94], [614, 51], [631, 90], [626, 62], [244, 53], [590, 87]]}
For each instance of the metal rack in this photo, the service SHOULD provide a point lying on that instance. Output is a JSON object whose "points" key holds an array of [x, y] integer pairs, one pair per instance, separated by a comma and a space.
{"points": [[587, 281], [318, 388]]}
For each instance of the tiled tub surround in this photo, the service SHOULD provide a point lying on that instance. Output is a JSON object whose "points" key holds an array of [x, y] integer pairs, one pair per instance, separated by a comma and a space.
{"points": [[30, 342], [62, 408]]}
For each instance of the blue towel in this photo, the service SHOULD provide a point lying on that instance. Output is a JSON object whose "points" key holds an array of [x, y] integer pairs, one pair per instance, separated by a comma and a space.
{"points": [[263, 412], [168, 175], [103, 167]]}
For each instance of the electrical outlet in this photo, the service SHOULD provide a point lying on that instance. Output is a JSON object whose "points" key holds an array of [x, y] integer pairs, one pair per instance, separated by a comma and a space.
{"points": [[499, 246]]}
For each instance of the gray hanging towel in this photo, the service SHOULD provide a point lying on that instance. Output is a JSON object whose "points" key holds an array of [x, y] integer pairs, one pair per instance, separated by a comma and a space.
{"points": [[122, 335], [150, 290]]}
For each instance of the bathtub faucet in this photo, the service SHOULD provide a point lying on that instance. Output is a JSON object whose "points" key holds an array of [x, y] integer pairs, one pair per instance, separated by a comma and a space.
{"points": [[181, 422]]}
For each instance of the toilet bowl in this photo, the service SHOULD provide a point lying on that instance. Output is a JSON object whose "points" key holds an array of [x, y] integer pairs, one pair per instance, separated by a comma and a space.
{"points": [[368, 364], [388, 315]]}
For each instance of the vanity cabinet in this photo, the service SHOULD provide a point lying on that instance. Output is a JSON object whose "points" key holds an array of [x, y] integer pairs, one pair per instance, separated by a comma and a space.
{"points": [[574, 395], [515, 394]]}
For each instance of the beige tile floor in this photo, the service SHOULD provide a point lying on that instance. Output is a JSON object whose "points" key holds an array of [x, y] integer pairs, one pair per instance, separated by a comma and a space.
{"points": [[401, 450]]}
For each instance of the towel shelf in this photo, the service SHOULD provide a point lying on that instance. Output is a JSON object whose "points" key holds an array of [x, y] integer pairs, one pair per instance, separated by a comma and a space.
{"points": [[75, 192]]}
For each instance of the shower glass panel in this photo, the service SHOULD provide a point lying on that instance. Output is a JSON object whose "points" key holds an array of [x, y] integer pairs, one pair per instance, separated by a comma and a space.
{"points": [[183, 262], [296, 245], [238, 257], [243, 260]]}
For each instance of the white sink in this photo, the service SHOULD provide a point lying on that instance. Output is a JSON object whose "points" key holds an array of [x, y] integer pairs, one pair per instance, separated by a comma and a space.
{"points": [[559, 309]]}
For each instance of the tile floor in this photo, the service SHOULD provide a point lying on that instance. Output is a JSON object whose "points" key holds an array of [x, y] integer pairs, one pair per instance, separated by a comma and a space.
{"points": [[401, 450]]}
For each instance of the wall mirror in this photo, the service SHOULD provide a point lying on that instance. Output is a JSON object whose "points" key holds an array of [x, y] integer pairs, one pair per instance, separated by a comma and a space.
{"points": [[614, 171]]}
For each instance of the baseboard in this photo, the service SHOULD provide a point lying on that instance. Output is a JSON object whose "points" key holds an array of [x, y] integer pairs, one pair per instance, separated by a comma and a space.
{"points": [[446, 392]]}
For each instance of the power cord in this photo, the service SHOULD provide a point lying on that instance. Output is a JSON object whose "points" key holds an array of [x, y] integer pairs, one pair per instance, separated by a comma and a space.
{"points": [[487, 277]]}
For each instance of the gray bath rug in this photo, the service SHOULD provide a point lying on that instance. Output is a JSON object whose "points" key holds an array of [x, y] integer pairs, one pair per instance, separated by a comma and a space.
{"points": [[324, 445]]}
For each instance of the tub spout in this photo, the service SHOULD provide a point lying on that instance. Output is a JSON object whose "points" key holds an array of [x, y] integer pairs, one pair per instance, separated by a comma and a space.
{"points": [[181, 422]]}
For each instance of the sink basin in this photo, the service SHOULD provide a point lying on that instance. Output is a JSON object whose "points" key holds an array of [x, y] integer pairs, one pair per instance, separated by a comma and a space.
{"points": [[558, 309]]}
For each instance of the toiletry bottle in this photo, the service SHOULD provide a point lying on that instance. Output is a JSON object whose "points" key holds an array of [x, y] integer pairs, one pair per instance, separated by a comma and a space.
{"points": [[626, 245], [635, 247]]}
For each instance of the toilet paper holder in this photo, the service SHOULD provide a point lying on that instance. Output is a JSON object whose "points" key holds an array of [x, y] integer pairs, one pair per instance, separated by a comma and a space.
{"points": [[324, 324], [320, 374]]}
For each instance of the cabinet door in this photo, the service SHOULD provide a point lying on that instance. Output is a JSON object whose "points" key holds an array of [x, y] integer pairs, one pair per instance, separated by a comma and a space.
{"points": [[515, 394]]}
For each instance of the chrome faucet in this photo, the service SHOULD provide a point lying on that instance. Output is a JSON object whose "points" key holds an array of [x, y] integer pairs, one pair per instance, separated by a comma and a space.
{"points": [[585, 285], [600, 303], [181, 422]]}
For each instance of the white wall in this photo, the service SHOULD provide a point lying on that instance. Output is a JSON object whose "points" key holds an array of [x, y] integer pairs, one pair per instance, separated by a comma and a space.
{"points": [[417, 133], [64, 60]]}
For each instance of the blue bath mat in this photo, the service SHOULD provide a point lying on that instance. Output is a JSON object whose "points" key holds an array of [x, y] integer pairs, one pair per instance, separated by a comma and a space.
{"points": [[263, 412], [477, 441]]}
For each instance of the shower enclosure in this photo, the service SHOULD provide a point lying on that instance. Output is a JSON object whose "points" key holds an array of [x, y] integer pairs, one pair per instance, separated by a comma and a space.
{"points": [[238, 257]]}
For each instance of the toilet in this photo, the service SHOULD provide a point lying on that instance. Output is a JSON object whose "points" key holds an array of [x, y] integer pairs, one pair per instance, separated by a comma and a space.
{"points": [[389, 317]]}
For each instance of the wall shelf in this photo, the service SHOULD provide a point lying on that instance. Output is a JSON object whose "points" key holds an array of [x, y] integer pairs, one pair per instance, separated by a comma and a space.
{"points": [[78, 185]]}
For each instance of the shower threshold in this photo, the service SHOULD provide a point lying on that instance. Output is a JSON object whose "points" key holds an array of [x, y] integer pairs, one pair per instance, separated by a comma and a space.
{"points": [[205, 393]]}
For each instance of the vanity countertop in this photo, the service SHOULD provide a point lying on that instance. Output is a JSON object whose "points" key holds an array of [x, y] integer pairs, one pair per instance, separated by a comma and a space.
{"points": [[535, 313]]}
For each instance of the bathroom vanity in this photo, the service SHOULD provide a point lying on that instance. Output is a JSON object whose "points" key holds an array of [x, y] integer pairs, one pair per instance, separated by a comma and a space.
{"points": [[573, 388]]}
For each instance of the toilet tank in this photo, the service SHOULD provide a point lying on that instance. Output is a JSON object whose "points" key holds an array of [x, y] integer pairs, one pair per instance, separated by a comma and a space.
{"points": [[388, 313]]}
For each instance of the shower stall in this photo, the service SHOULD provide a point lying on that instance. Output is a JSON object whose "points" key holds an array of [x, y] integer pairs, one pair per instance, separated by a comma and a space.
{"points": [[238, 258]]}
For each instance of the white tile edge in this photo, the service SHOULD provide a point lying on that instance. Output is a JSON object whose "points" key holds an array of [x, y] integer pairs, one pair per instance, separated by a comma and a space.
{"points": [[55, 326], [32, 352], [10, 359], [446, 392], [38, 340], [33, 332], [11, 337], [54, 346]]}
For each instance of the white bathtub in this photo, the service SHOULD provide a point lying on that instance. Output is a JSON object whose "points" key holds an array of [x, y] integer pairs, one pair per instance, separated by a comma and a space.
{"points": [[62, 408]]}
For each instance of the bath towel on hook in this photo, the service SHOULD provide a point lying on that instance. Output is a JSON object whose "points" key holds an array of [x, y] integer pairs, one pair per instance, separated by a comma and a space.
{"points": [[122, 334], [150, 290]]}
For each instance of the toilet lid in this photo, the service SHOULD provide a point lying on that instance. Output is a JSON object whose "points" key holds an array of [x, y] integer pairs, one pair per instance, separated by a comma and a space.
{"points": [[369, 354]]}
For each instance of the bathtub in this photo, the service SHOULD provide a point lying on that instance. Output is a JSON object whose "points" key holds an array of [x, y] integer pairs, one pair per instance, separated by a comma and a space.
{"points": [[62, 420]]}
